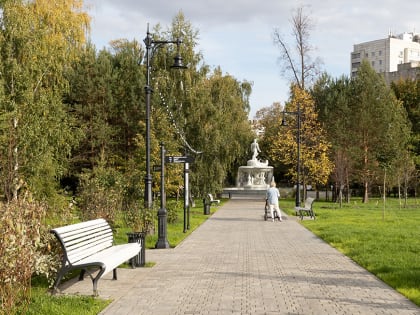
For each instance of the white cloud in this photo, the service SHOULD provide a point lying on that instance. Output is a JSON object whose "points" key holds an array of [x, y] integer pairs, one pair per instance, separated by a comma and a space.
{"points": [[237, 34]]}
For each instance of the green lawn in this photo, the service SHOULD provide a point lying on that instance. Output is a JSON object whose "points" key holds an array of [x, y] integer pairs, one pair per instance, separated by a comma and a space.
{"points": [[44, 303], [385, 241]]}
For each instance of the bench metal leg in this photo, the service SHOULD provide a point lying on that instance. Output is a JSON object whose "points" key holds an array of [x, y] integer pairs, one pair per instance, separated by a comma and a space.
{"points": [[96, 279], [60, 275], [306, 212], [114, 274], [82, 274]]}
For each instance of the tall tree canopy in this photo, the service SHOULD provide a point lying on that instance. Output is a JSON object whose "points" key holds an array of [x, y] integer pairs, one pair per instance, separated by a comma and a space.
{"points": [[220, 122], [192, 110], [331, 98], [366, 123], [408, 92], [39, 40], [380, 128]]}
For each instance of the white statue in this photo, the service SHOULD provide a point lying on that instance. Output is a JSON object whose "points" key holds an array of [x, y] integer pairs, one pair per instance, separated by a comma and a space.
{"points": [[255, 148]]}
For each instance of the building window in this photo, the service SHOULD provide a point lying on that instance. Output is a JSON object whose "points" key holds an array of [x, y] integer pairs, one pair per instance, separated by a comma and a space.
{"points": [[380, 62], [366, 55], [373, 63], [380, 53], [373, 54]]}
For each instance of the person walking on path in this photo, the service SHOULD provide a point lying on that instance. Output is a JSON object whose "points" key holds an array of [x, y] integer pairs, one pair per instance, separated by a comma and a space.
{"points": [[272, 197]]}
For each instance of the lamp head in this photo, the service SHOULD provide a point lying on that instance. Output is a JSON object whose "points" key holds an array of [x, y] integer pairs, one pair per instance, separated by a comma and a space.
{"points": [[178, 62], [283, 122]]}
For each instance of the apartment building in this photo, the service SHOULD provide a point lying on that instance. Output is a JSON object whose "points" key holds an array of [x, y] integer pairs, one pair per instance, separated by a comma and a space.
{"points": [[395, 56]]}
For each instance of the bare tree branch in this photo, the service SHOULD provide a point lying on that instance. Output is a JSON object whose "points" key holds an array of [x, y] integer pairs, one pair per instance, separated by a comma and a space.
{"points": [[305, 70], [285, 55]]}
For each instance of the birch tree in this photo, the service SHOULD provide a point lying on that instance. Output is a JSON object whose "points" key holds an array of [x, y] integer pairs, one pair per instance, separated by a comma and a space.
{"points": [[38, 41]]}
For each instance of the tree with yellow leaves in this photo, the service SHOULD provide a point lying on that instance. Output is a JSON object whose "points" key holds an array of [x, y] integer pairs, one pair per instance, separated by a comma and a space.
{"points": [[315, 164]]}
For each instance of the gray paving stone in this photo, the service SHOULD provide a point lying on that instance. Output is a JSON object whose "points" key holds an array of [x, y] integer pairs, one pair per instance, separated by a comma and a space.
{"points": [[237, 263]]}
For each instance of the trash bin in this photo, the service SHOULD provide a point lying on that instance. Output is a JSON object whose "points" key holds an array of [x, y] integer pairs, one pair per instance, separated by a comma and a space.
{"points": [[206, 206], [138, 237]]}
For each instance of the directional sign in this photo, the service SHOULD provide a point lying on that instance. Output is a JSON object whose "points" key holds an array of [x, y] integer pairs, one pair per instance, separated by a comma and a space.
{"points": [[179, 159]]}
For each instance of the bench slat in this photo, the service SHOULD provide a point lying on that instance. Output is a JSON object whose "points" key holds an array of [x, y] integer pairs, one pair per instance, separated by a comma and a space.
{"points": [[80, 226], [113, 256], [77, 253], [86, 241], [75, 234], [86, 236]]}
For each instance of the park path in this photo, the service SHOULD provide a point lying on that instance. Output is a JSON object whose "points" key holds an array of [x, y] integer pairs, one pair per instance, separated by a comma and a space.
{"points": [[237, 263]]}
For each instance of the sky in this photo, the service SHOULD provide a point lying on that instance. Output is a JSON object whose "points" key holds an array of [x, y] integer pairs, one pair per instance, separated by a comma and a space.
{"points": [[237, 35]]}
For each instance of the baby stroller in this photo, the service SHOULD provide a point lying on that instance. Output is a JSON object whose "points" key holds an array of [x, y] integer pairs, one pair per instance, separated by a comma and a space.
{"points": [[267, 213]]}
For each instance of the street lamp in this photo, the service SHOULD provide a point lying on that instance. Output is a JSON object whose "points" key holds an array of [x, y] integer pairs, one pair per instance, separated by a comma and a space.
{"points": [[283, 123], [151, 47]]}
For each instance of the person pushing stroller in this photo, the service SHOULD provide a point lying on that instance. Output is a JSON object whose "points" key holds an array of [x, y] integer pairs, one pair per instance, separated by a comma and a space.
{"points": [[272, 197]]}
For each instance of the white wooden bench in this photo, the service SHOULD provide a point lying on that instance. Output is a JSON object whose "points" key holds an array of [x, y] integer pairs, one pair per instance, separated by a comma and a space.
{"points": [[212, 200], [306, 209], [89, 246]]}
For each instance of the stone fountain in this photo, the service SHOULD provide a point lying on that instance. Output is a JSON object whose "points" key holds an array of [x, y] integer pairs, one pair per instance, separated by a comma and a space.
{"points": [[254, 178], [255, 175]]}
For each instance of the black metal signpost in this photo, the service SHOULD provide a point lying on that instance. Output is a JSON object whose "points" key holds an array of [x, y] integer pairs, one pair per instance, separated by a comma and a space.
{"points": [[186, 160], [186, 196]]}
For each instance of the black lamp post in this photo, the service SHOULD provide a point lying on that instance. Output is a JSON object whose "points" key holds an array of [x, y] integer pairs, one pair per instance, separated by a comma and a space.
{"points": [[151, 47], [162, 241], [283, 123]]}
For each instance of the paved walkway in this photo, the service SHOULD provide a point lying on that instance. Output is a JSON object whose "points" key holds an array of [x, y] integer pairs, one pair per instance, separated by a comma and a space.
{"points": [[237, 263]]}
